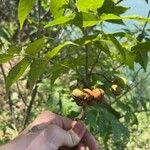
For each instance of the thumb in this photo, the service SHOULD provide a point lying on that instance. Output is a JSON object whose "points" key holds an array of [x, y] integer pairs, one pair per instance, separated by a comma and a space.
{"points": [[61, 137]]}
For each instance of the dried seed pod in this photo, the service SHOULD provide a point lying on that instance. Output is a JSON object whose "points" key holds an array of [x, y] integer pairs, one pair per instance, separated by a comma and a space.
{"points": [[77, 94], [88, 94], [98, 94], [79, 97]]}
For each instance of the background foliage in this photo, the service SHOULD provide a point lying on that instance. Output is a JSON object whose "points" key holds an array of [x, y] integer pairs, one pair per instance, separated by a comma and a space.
{"points": [[50, 47]]}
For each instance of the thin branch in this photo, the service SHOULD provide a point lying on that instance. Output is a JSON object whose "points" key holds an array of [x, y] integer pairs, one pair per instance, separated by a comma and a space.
{"points": [[118, 2], [34, 93], [94, 64], [8, 96], [116, 68], [143, 30], [20, 94]]}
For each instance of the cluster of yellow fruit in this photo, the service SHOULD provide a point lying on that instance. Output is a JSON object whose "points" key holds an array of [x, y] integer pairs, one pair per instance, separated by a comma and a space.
{"points": [[88, 97], [118, 85], [91, 97]]}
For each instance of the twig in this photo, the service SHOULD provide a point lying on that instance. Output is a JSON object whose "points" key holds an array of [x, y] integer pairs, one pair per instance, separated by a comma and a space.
{"points": [[8, 96], [143, 30], [93, 66], [20, 94], [30, 105], [116, 68], [118, 2]]}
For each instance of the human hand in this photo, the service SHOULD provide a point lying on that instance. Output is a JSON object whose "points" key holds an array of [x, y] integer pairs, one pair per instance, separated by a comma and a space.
{"points": [[52, 132]]}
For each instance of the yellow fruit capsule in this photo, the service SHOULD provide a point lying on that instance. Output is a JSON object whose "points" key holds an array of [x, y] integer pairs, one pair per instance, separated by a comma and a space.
{"points": [[116, 89], [120, 81]]}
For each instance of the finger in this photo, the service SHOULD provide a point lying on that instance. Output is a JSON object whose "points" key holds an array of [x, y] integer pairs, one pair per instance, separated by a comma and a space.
{"points": [[46, 118], [81, 146], [65, 138], [89, 140]]}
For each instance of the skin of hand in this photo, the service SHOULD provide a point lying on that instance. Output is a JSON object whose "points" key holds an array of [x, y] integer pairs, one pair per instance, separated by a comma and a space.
{"points": [[54, 133]]}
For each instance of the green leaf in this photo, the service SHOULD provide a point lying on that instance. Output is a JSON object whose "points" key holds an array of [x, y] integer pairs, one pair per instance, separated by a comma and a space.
{"points": [[24, 8], [34, 47], [134, 17], [117, 45], [16, 72], [142, 58], [61, 20], [89, 5], [141, 52], [110, 7], [4, 34], [83, 19], [105, 17], [141, 46], [119, 131], [14, 50], [57, 49], [37, 67], [89, 19], [102, 46], [86, 39], [57, 7], [5, 57], [130, 58]]}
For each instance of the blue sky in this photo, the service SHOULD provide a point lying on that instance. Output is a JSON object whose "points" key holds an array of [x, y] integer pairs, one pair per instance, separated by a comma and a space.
{"points": [[137, 7]]}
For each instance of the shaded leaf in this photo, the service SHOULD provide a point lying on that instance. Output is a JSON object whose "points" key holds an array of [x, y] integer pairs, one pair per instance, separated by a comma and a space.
{"points": [[37, 67], [4, 34], [34, 47], [110, 7], [141, 52], [14, 50], [83, 19], [16, 72], [5, 57], [102, 46], [117, 45], [24, 9], [130, 59]]}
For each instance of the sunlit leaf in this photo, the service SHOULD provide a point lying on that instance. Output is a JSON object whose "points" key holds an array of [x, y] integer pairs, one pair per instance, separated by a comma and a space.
{"points": [[24, 8], [89, 5], [61, 20], [57, 7], [57, 49]]}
